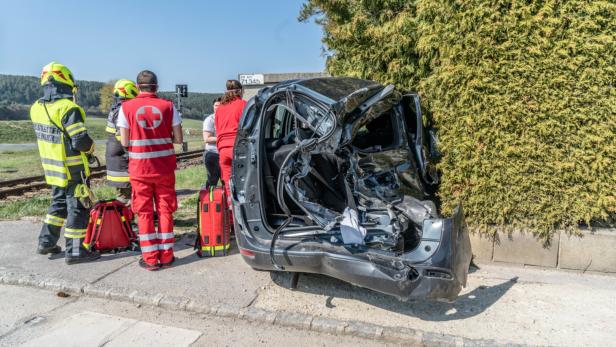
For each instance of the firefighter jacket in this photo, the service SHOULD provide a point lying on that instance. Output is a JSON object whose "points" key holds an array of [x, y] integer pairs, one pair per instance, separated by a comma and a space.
{"points": [[62, 140], [116, 157]]}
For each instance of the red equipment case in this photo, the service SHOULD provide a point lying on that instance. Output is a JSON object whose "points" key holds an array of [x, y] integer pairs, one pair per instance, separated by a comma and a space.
{"points": [[213, 223], [109, 228]]}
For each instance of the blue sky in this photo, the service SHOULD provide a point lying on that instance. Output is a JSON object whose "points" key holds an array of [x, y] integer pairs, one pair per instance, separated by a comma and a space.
{"points": [[201, 43]]}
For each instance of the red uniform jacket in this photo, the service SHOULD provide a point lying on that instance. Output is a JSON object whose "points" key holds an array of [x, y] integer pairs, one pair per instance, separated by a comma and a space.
{"points": [[226, 121], [150, 150]]}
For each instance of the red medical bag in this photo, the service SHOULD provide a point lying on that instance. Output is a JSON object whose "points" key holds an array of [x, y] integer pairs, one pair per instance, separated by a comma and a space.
{"points": [[109, 228], [213, 223]]}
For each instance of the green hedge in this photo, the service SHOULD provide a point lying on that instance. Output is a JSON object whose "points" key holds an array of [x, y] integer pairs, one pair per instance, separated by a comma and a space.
{"points": [[522, 93]]}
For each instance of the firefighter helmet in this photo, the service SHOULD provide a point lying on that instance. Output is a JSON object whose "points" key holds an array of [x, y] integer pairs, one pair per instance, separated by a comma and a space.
{"points": [[125, 89], [58, 73]]}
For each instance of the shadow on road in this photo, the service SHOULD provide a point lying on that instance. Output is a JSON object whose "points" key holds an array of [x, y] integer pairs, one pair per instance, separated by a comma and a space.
{"points": [[467, 305]]}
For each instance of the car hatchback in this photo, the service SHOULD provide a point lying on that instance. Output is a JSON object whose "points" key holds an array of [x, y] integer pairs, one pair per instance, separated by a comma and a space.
{"points": [[336, 176]]}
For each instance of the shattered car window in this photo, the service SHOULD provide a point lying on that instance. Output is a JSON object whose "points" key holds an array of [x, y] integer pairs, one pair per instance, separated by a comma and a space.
{"points": [[314, 116]]}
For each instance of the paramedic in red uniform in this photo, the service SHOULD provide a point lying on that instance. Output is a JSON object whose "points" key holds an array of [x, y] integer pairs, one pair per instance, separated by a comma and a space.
{"points": [[149, 126], [227, 118]]}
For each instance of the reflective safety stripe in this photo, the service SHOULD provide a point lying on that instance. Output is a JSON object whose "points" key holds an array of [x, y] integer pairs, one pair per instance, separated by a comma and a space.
{"points": [[70, 161], [149, 248], [118, 179], [165, 246], [110, 130], [56, 174], [76, 243], [215, 248], [53, 162], [86, 245], [166, 236], [149, 155], [148, 237], [117, 173], [150, 142], [118, 137], [74, 233], [75, 129], [53, 220]]}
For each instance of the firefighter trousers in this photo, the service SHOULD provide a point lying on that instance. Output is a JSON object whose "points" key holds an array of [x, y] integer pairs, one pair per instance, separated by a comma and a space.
{"points": [[159, 191], [65, 210]]}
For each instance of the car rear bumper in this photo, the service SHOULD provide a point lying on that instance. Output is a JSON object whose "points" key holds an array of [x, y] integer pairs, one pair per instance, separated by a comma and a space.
{"points": [[441, 276]]}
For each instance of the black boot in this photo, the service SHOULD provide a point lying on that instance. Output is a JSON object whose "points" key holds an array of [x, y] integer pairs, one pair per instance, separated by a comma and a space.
{"points": [[82, 258], [42, 249], [76, 253]]}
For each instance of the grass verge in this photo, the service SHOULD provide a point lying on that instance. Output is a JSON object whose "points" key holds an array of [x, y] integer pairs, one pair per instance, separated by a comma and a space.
{"points": [[189, 178]]}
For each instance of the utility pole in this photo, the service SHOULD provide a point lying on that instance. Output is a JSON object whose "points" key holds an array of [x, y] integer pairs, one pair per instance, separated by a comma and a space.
{"points": [[181, 91]]}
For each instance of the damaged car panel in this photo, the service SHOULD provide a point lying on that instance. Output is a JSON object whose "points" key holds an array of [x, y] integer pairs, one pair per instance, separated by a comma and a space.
{"points": [[334, 176]]}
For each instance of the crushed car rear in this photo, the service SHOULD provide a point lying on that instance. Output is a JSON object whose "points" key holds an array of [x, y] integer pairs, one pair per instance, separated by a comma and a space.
{"points": [[335, 176]]}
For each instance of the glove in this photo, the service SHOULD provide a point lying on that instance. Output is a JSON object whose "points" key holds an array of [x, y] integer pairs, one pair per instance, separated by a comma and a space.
{"points": [[84, 194]]}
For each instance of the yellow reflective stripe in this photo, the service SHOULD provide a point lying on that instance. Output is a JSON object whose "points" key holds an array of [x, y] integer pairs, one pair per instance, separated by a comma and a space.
{"points": [[73, 127], [74, 233], [74, 160], [118, 137], [215, 248], [110, 130], [86, 245], [123, 219], [53, 220], [211, 193], [118, 179], [77, 131]]}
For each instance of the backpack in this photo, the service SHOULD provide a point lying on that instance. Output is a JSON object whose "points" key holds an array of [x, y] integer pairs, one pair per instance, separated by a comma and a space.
{"points": [[213, 223], [109, 228]]}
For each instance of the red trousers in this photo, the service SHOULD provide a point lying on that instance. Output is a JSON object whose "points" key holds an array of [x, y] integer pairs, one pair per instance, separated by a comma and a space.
{"points": [[148, 192], [226, 164]]}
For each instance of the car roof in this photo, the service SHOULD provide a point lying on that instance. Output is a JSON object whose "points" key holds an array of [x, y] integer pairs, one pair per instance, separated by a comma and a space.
{"points": [[335, 88]]}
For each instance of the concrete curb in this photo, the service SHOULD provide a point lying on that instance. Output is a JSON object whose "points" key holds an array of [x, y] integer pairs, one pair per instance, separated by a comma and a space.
{"points": [[281, 318], [592, 251]]}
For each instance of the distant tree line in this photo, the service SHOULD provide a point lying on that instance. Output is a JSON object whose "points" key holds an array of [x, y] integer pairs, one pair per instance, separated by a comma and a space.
{"points": [[17, 93]]}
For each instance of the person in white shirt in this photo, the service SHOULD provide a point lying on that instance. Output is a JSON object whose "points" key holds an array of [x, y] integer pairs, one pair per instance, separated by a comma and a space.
{"points": [[210, 155]]}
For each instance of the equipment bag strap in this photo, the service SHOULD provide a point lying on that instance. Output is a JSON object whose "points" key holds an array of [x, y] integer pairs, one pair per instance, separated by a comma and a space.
{"points": [[128, 230], [197, 245], [97, 226]]}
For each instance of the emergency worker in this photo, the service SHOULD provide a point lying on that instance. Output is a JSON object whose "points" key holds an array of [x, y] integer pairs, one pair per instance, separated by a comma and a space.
{"points": [[149, 126], [227, 118], [210, 153], [116, 157], [63, 143]]}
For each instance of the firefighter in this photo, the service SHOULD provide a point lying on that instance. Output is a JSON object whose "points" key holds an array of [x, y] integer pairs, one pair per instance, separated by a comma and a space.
{"points": [[63, 143], [149, 126], [116, 157]]}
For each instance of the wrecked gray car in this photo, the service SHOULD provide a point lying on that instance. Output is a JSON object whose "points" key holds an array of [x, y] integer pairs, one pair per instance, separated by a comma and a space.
{"points": [[335, 176]]}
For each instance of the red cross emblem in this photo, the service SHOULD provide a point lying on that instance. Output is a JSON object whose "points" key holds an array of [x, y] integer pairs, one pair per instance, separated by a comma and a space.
{"points": [[149, 117]]}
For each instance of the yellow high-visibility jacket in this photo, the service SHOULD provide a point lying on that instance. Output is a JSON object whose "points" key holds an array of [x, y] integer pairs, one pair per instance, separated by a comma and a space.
{"points": [[63, 158]]}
